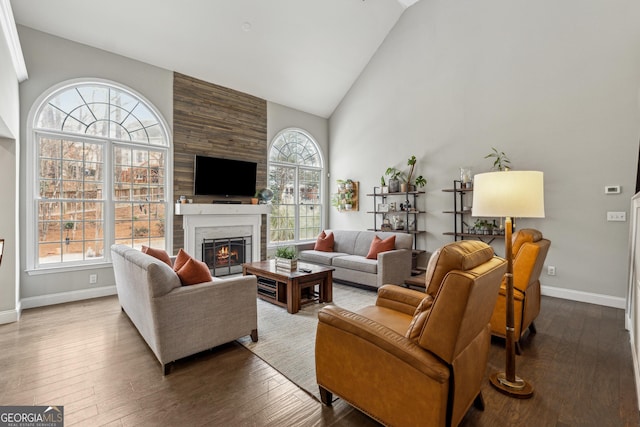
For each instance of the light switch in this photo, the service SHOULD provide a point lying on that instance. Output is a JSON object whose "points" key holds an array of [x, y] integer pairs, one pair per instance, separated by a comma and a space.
{"points": [[616, 216]]}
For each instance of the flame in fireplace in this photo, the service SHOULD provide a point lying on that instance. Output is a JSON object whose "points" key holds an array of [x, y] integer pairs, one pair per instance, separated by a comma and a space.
{"points": [[225, 256]]}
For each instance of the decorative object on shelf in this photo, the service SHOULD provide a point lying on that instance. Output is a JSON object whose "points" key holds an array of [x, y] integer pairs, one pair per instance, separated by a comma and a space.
{"points": [[408, 184], [398, 223], [346, 199], [256, 198], [502, 162], [461, 210], [465, 177], [383, 185], [265, 195], [388, 217], [286, 258], [395, 176], [383, 207], [509, 194]]}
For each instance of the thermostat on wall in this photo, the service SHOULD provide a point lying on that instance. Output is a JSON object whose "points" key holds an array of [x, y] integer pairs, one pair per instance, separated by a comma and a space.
{"points": [[612, 189]]}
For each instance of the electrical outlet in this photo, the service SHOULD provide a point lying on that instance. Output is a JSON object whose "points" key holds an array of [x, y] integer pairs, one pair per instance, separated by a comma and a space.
{"points": [[551, 270], [93, 279]]}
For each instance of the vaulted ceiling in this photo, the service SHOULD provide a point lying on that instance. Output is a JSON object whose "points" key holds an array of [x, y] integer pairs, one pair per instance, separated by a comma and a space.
{"points": [[304, 54]]}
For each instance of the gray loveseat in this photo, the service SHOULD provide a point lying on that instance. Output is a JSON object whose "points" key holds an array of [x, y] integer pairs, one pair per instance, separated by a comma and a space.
{"points": [[177, 321], [350, 262]]}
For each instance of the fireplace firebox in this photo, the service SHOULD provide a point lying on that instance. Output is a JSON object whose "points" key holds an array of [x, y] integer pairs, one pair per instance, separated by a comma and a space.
{"points": [[225, 256]]}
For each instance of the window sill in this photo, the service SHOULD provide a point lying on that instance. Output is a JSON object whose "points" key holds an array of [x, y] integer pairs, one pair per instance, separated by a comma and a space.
{"points": [[67, 268]]}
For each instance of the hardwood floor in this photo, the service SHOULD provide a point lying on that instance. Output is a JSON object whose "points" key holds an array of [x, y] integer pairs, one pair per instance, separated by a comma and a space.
{"points": [[88, 357]]}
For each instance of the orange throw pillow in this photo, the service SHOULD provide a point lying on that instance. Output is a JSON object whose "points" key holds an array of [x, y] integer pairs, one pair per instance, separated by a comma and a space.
{"points": [[378, 245], [194, 272], [181, 259], [160, 254], [324, 243]]}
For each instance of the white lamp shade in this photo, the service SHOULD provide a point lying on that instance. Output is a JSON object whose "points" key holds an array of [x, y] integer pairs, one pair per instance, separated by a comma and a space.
{"points": [[508, 193]]}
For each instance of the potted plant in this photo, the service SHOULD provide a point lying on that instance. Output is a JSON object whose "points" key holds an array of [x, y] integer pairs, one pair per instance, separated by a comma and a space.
{"points": [[501, 162], [383, 185], [348, 200], [256, 198], [286, 258], [411, 162], [395, 176], [348, 184]]}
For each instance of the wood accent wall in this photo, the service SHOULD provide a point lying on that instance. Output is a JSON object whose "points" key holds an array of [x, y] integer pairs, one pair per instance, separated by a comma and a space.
{"points": [[215, 121]]}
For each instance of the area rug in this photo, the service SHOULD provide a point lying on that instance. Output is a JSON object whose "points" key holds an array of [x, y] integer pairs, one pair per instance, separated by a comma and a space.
{"points": [[287, 341]]}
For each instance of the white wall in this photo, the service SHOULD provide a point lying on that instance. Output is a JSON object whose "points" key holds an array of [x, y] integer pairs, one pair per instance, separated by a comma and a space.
{"points": [[553, 84], [51, 60], [9, 134]]}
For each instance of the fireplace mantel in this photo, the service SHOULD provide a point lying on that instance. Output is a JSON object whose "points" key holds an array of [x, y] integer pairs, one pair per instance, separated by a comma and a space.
{"points": [[203, 215], [221, 209]]}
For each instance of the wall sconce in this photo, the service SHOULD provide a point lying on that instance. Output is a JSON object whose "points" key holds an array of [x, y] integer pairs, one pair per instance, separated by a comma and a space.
{"points": [[1, 249]]}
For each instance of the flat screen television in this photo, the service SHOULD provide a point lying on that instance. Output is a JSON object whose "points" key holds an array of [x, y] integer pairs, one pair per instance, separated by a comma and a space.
{"points": [[214, 176]]}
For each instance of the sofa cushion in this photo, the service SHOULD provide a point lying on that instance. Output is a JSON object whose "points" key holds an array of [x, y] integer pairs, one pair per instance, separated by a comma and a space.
{"points": [[345, 240], [356, 262], [324, 242], [181, 259], [378, 245], [320, 257], [160, 254], [194, 272]]}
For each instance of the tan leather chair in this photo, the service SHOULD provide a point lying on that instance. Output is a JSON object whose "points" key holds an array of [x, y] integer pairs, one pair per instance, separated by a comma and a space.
{"points": [[415, 360], [529, 252]]}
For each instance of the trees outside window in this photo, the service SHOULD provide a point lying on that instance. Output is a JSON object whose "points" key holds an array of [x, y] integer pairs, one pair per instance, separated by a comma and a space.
{"points": [[99, 174], [295, 176]]}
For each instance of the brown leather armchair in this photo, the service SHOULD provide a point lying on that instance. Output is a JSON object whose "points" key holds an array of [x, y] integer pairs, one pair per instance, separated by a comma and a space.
{"points": [[529, 252], [413, 359]]}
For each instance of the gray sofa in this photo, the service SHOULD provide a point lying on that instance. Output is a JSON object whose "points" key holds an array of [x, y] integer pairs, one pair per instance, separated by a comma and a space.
{"points": [[350, 262], [177, 321]]}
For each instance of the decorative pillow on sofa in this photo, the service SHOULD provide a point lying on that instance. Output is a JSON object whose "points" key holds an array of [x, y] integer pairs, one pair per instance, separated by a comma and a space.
{"points": [[160, 254], [181, 259], [378, 245], [194, 272], [324, 243]]}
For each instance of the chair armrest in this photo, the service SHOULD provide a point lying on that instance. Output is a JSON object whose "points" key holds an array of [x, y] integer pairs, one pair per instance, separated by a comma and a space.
{"points": [[394, 266], [361, 328], [400, 299]]}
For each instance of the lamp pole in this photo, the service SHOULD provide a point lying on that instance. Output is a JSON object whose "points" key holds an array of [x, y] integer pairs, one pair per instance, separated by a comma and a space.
{"points": [[507, 382]]}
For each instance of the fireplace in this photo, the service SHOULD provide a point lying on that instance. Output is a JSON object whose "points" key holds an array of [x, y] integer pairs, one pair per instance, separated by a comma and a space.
{"points": [[226, 255]]}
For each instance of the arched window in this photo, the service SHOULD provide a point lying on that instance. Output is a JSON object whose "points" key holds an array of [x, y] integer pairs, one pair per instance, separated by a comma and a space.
{"points": [[295, 177], [99, 167]]}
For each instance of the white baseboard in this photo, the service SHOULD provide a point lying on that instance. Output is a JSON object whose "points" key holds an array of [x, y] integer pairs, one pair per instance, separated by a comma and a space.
{"points": [[591, 298], [62, 297], [10, 316]]}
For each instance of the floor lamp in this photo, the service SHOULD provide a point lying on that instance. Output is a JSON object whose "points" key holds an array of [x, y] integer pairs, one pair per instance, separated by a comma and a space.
{"points": [[509, 194]]}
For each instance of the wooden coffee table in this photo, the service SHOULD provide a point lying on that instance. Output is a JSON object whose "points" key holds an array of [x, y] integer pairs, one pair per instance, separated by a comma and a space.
{"points": [[285, 288]]}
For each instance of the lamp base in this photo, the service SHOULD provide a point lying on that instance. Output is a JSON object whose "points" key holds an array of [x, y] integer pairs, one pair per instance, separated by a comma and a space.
{"points": [[518, 388]]}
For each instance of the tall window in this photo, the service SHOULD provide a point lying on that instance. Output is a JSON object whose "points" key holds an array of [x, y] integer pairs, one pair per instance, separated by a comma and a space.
{"points": [[100, 174], [295, 176]]}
